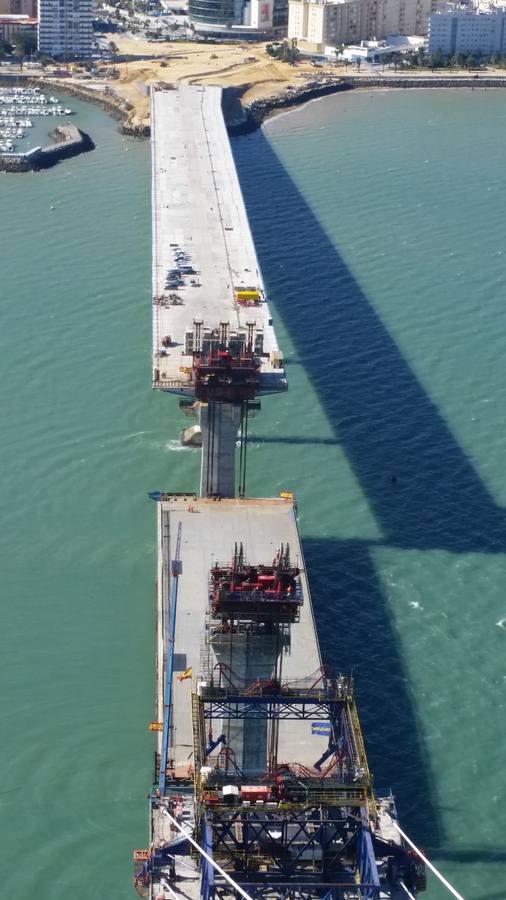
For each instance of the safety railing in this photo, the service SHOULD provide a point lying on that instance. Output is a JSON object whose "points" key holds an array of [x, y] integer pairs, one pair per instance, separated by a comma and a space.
{"points": [[269, 689]]}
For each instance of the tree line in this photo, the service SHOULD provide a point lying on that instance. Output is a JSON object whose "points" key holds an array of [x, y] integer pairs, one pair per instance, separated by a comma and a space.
{"points": [[24, 43]]}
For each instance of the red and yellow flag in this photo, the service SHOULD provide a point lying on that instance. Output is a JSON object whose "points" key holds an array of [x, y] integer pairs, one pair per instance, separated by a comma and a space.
{"points": [[186, 674]]}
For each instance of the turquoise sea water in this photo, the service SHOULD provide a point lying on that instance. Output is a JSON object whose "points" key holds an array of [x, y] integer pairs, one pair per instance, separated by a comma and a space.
{"points": [[380, 227]]}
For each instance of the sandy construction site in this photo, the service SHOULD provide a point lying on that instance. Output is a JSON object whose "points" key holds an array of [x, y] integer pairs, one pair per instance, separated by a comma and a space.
{"points": [[246, 66]]}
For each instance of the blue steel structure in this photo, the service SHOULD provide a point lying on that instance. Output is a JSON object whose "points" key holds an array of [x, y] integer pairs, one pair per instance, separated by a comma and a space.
{"points": [[314, 841], [367, 860], [349, 873], [167, 705]]}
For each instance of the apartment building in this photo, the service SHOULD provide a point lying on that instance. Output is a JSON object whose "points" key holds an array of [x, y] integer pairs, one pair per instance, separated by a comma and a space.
{"points": [[469, 31], [320, 23], [65, 29]]}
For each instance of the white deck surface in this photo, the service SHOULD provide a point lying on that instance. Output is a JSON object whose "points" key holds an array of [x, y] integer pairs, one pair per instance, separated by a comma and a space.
{"points": [[208, 535], [197, 205]]}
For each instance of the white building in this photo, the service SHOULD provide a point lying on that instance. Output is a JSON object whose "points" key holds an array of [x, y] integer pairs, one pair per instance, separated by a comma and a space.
{"points": [[320, 23], [468, 31], [65, 29], [372, 51]]}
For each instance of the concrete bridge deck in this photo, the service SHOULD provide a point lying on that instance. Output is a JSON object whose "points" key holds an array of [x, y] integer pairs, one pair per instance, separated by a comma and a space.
{"points": [[198, 211], [209, 530]]}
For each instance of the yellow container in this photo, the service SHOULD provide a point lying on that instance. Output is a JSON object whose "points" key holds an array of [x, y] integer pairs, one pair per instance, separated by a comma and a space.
{"points": [[248, 295]]}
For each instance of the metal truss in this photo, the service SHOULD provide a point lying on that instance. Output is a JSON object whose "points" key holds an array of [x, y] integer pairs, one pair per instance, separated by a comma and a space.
{"points": [[299, 891], [290, 856], [288, 842], [273, 707]]}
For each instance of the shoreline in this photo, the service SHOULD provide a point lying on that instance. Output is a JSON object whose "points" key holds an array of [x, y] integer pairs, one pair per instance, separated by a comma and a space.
{"points": [[117, 107], [259, 111], [245, 118]]}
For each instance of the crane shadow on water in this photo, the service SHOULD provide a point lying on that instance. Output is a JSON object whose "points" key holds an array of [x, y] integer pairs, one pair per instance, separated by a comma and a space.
{"points": [[421, 487], [357, 634], [292, 440], [379, 411]]}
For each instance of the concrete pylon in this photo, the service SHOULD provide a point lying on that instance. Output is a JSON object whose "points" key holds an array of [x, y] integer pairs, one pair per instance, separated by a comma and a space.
{"points": [[219, 423]]}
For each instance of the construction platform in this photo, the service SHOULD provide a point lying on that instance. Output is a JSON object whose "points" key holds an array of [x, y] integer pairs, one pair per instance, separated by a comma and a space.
{"points": [[207, 284], [261, 777], [208, 531]]}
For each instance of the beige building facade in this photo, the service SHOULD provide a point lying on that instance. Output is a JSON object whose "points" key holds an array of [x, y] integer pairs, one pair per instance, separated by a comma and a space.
{"points": [[320, 23], [11, 26]]}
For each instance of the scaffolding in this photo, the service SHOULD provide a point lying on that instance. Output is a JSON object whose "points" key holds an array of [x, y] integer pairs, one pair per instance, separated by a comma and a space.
{"points": [[270, 829]]}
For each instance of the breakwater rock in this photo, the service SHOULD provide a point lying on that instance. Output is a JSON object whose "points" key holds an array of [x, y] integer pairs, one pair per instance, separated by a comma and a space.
{"points": [[135, 130], [68, 140], [117, 107], [256, 112]]}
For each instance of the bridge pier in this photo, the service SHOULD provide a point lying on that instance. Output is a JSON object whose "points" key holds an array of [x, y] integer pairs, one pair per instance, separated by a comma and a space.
{"points": [[219, 423]]}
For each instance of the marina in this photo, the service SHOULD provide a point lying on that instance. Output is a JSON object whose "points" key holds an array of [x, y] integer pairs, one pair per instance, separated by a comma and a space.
{"points": [[18, 108]]}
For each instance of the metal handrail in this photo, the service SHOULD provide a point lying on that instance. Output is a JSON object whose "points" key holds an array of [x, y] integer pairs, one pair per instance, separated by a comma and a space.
{"points": [[262, 597], [345, 797], [247, 691]]}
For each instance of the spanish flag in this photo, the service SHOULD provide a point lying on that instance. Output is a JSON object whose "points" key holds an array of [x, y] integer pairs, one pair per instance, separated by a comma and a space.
{"points": [[186, 674]]}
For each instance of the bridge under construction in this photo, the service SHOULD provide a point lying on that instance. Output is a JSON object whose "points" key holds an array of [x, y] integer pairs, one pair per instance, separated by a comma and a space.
{"points": [[261, 785], [214, 341]]}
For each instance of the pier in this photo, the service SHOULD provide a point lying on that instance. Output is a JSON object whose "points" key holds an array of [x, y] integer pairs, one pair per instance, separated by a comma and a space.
{"points": [[213, 335], [261, 785]]}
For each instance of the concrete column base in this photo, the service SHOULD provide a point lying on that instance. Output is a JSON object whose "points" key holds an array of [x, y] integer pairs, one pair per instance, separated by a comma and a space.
{"points": [[219, 423]]}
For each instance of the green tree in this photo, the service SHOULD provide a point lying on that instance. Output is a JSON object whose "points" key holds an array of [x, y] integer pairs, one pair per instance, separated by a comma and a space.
{"points": [[114, 52], [25, 43], [285, 52], [437, 60], [397, 60]]}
